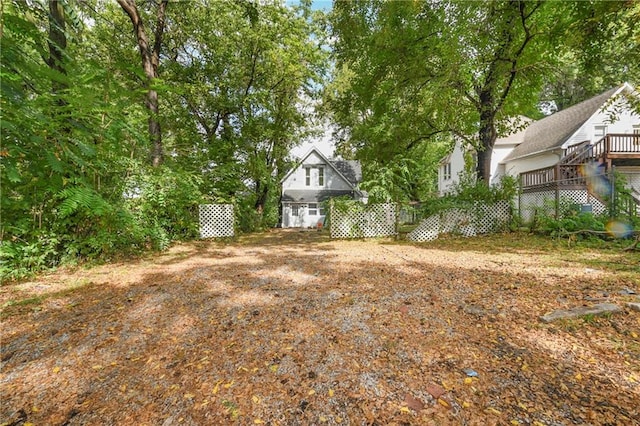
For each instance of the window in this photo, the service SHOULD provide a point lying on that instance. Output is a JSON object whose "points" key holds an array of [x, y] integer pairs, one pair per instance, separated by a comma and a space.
{"points": [[313, 209], [294, 210], [599, 131], [636, 129], [446, 171], [314, 176]]}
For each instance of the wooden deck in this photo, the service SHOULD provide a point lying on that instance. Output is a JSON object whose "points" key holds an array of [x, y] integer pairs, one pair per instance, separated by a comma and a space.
{"points": [[583, 161]]}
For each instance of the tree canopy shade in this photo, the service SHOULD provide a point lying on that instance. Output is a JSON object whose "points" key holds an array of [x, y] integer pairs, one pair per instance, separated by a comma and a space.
{"points": [[407, 72]]}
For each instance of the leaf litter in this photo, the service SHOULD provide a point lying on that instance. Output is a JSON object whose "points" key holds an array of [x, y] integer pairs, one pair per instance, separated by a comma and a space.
{"points": [[291, 328]]}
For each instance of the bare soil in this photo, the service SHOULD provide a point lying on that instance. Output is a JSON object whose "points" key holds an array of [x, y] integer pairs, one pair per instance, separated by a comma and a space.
{"points": [[291, 328]]}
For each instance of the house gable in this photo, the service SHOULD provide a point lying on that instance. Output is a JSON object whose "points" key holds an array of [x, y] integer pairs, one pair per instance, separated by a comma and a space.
{"points": [[314, 180], [571, 126], [315, 171]]}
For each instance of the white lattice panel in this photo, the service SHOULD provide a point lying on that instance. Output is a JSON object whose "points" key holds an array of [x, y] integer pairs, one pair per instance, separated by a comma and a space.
{"points": [[216, 220], [492, 217], [428, 230], [458, 221], [633, 179], [367, 221], [478, 219], [599, 208], [532, 203]]}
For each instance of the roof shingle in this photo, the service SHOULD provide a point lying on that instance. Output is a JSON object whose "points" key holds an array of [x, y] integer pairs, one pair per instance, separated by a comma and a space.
{"points": [[552, 131]]}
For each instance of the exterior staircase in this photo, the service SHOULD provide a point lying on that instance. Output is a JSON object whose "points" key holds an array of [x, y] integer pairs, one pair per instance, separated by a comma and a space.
{"points": [[584, 162]]}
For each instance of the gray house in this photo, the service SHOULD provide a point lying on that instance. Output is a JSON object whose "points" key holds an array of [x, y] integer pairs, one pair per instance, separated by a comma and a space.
{"points": [[313, 181]]}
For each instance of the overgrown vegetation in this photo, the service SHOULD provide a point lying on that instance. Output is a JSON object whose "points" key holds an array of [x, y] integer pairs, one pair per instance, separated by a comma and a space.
{"points": [[103, 158]]}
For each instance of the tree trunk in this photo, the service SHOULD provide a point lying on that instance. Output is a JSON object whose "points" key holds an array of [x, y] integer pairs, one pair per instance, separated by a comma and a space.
{"points": [[487, 135], [150, 56], [57, 45]]}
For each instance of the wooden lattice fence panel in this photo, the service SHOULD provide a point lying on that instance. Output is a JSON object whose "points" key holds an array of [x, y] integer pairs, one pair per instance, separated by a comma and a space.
{"points": [[582, 196], [216, 220], [492, 217], [363, 221], [478, 219]]}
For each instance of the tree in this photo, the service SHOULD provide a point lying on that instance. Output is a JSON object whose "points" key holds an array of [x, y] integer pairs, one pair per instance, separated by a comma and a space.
{"points": [[599, 48], [422, 69], [150, 57], [242, 95]]}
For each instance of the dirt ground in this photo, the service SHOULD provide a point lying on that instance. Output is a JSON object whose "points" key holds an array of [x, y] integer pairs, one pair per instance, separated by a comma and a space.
{"points": [[291, 328]]}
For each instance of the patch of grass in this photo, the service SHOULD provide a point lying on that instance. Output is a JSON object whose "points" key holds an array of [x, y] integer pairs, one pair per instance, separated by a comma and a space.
{"points": [[12, 307], [24, 302]]}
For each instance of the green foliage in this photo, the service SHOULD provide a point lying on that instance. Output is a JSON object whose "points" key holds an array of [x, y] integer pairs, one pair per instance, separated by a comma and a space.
{"points": [[468, 192], [237, 80], [548, 225]]}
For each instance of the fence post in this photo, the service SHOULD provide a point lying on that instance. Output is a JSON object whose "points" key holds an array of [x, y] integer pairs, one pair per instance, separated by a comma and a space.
{"points": [[521, 221], [613, 210]]}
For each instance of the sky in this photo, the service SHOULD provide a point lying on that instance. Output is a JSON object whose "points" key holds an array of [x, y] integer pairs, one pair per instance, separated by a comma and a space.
{"points": [[315, 4]]}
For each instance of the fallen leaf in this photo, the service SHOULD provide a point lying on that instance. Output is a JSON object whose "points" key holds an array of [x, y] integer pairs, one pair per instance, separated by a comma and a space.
{"points": [[413, 403], [444, 403], [56, 370], [491, 410], [331, 393], [435, 390]]}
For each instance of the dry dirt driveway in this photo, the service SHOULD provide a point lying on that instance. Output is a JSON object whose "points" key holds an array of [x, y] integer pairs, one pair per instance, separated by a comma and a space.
{"points": [[290, 328]]}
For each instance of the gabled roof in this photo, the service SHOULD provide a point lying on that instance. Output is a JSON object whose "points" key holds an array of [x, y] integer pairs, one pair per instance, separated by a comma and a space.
{"points": [[350, 171], [552, 131], [315, 195]]}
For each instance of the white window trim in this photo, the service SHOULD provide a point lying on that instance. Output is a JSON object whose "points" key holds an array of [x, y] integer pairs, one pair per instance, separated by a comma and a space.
{"points": [[446, 172], [599, 130]]}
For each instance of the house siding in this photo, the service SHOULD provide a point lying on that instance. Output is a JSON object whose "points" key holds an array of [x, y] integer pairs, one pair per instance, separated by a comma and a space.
{"points": [[296, 181], [534, 162], [456, 159], [624, 124]]}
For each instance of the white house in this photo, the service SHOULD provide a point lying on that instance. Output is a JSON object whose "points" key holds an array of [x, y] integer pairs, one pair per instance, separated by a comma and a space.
{"points": [[601, 128], [315, 180], [549, 140], [452, 167]]}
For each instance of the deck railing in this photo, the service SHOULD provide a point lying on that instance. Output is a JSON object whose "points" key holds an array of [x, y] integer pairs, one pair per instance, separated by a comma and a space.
{"points": [[558, 175], [613, 144], [570, 170], [622, 144]]}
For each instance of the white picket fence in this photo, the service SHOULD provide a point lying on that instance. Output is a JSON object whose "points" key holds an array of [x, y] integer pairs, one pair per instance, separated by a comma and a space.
{"points": [[216, 220]]}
